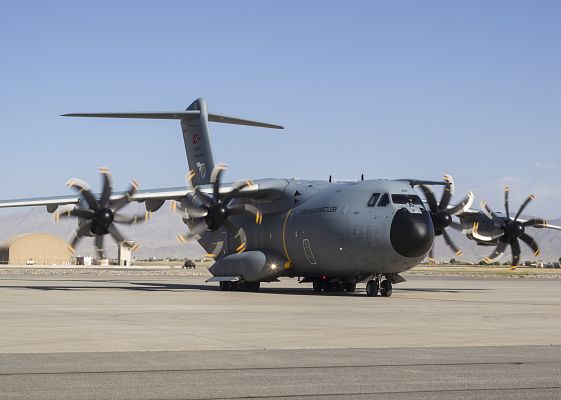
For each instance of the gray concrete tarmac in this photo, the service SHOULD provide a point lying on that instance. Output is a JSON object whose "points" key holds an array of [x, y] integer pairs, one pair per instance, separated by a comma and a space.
{"points": [[151, 337], [525, 372]]}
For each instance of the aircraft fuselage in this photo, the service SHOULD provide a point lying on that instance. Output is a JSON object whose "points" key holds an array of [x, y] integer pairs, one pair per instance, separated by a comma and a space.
{"points": [[344, 230]]}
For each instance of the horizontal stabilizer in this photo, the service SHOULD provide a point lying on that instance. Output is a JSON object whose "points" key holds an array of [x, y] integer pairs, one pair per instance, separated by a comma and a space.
{"points": [[181, 115]]}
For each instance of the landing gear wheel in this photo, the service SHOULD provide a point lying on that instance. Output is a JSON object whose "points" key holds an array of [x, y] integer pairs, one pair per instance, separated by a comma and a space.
{"points": [[317, 286], [386, 288], [350, 287], [225, 286], [253, 286], [372, 288]]}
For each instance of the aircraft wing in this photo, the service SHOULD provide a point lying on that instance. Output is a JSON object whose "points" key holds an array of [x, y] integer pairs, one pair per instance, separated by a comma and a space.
{"points": [[52, 203], [154, 198]]}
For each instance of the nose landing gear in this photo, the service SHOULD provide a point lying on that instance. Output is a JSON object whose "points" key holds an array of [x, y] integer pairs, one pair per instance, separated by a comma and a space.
{"points": [[375, 287]]}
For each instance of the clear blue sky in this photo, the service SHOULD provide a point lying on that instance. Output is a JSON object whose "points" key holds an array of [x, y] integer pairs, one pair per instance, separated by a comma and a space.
{"points": [[386, 88]]}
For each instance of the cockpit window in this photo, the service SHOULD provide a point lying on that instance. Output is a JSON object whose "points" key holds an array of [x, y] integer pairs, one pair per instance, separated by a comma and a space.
{"points": [[373, 200], [384, 201], [406, 199]]}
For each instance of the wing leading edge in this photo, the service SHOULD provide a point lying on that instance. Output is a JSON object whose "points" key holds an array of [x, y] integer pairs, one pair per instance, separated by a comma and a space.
{"points": [[154, 198]]}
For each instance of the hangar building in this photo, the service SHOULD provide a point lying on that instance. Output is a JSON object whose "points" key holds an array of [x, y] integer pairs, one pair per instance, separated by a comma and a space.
{"points": [[35, 248]]}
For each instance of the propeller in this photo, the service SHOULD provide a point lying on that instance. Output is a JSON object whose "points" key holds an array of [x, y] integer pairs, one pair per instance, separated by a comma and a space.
{"points": [[203, 213], [98, 216], [441, 214], [511, 230]]}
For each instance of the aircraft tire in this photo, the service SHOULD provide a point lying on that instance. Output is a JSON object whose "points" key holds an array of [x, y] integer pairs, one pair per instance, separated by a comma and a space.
{"points": [[386, 288], [372, 288]]}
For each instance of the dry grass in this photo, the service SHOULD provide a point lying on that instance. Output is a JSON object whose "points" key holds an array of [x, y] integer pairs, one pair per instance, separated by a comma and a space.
{"points": [[484, 271]]}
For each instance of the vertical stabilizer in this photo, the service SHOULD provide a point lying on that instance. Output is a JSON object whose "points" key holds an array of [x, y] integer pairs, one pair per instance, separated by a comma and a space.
{"points": [[198, 147], [194, 125]]}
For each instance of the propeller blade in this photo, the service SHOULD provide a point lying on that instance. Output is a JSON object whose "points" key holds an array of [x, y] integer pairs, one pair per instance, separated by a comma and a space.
{"points": [[531, 243], [215, 179], [464, 205], [83, 188], [76, 212], [107, 187], [114, 232], [127, 197], [203, 198], [237, 188], [78, 234], [132, 219], [498, 222], [515, 247], [524, 205], [247, 209], [194, 233], [429, 196], [448, 192], [431, 258], [238, 233], [188, 210], [99, 248], [535, 223], [217, 250], [475, 233], [497, 254], [507, 190], [451, 243]]}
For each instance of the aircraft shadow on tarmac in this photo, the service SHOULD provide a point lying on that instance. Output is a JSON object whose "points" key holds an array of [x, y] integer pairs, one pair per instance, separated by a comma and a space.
{"points": [[178, 287]]}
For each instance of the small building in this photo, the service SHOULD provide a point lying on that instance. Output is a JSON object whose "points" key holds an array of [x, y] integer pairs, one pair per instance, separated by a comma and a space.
{"points": [[35, 249], [125, 253], [84, 260]]}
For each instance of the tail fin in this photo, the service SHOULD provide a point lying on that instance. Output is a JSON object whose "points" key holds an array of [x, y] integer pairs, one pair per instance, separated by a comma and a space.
{"points": [[196, 135], [198, 147]]}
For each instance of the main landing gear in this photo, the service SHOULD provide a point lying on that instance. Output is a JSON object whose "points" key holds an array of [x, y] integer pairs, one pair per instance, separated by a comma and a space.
{"points": [[374, 286], [240, 286]]}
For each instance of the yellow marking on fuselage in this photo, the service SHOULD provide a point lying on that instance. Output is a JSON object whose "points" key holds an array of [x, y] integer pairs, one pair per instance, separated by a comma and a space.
{"points": [[288, 264]]}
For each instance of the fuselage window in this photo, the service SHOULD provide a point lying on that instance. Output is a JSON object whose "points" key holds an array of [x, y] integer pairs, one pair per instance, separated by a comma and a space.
{"points": [[373, 200], [384, 201], [406, 199]]}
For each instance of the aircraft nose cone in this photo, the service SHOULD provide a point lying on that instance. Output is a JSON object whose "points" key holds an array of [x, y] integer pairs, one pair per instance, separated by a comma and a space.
{"points": [[411, 235]]}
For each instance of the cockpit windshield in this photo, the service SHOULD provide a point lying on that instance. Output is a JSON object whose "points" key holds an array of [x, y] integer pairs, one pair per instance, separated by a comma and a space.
{"points": [[406, 199]]}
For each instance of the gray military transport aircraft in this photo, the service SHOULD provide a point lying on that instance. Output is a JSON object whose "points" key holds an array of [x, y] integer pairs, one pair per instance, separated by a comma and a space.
{"points": [[332, 234]]}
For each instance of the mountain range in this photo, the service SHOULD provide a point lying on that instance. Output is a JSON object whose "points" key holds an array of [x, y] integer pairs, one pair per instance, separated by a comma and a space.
{"points": [[157, 237]]}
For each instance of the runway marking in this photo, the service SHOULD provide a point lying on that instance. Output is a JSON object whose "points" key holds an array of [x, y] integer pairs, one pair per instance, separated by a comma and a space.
{"points": [[289, 396], [132, 371]]}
